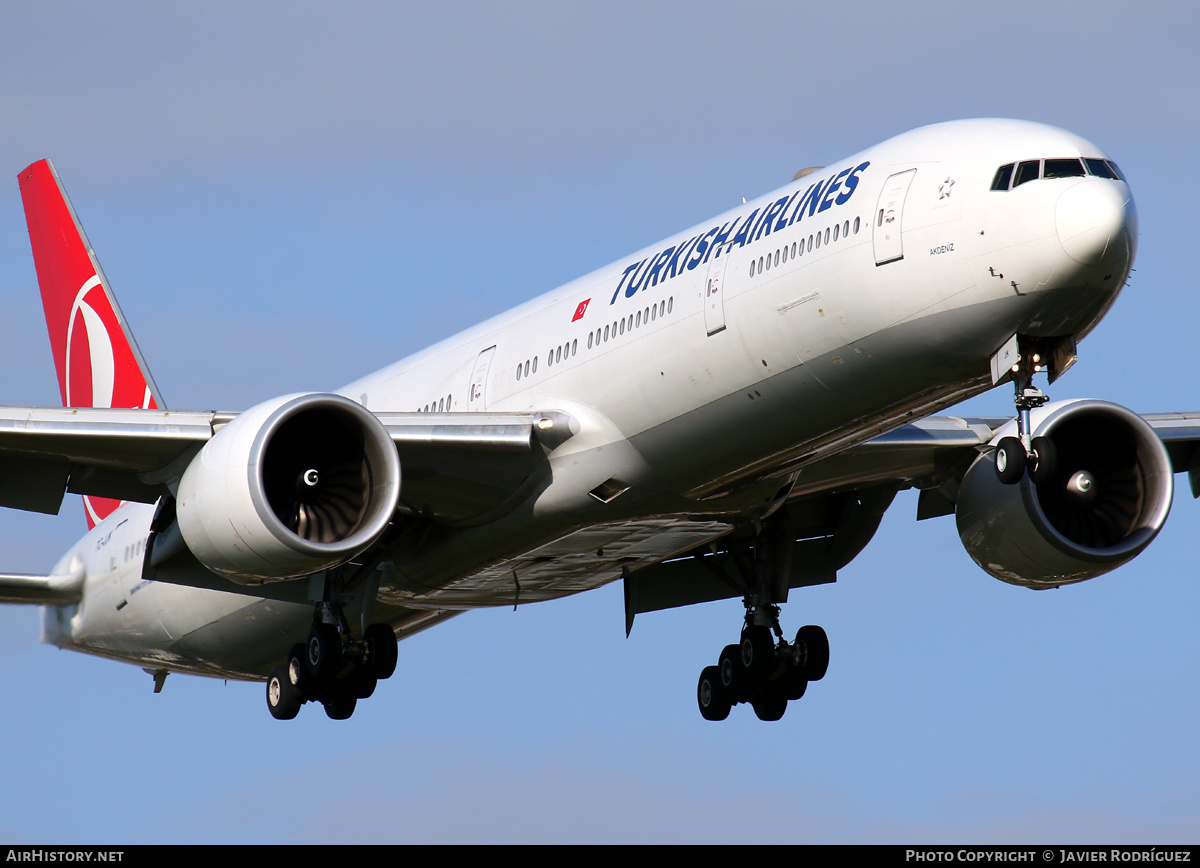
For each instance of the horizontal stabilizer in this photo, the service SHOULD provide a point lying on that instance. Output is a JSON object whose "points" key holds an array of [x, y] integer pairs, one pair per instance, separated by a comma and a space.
{"points": [[41, 590]]}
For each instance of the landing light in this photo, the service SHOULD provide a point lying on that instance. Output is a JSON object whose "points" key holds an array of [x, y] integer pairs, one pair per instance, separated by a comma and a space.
{"points": [[545, 424]]}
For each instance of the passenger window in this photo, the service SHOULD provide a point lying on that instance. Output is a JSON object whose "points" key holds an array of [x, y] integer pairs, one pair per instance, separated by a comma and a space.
{"points": [[835, 231], [1003, 176], [1027, 171]]}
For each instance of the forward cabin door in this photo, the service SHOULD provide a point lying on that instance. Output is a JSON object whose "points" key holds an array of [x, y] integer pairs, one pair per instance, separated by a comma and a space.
{"points": [[889, 216], [477, 397], [714, 295]]}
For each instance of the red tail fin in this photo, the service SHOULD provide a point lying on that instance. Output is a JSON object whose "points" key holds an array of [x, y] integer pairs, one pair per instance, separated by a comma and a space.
{"points": [[98, 362]]}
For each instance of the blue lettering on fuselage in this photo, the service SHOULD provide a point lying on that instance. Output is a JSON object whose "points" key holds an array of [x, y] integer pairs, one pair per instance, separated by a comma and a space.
{"points": [[817, 198]]}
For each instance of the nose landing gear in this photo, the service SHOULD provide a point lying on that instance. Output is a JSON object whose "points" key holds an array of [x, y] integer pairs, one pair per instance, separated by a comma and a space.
{"points": [[1016, 455]]}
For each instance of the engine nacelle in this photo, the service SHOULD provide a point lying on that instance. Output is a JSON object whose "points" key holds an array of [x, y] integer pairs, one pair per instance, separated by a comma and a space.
{"points": [[1105, 502], [292, 486]]}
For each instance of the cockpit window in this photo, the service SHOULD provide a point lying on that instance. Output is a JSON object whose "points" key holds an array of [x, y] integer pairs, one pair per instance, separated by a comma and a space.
{"points": [[1063, 169], [1003, 176], [1027, 171], [1100, 169]]}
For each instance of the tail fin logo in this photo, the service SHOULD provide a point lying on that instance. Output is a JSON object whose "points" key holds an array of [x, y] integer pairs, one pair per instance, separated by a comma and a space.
{"points": [[99, 372]]}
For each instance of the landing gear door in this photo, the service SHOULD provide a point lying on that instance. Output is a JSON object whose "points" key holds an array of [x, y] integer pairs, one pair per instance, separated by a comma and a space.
{"points": [[477, 397], [714, 295], [888, 217]]}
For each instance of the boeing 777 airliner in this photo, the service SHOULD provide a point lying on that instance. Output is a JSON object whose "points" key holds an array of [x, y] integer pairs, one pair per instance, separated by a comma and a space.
{"points": [[726, 413]]}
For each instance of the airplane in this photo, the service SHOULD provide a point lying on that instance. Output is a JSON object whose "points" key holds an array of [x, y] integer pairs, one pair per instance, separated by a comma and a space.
{"points": [[725, 413]]}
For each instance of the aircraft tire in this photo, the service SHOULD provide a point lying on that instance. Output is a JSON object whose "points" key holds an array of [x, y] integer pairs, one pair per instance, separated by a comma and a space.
{"points": [[362, 683], [758, 652], [1044, 460], [794, 684], [323, 653], [339, 702], [710, 695], [770, 705], [283, 699], [729, 671], [816, 648], [1010, 460], [382, 650], [298, 674]]}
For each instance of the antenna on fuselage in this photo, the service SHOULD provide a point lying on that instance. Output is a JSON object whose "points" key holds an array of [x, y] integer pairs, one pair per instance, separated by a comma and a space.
{"points": [[808, 171]]}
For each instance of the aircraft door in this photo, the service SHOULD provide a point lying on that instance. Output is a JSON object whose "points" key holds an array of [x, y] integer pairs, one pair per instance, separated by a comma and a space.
{"points": [[889, 216], [477, 396], [714, 295]]}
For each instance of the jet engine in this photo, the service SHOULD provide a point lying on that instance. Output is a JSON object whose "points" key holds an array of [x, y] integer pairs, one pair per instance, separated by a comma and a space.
{"points": [[1106, 499], [292, 486]]}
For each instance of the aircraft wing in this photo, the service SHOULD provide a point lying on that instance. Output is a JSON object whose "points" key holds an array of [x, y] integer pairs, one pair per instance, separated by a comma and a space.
{"points": [[836, 503], [456, 465]]}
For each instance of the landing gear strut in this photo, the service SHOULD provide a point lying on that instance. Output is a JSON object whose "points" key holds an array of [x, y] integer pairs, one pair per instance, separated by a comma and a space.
{"points": [[764, 669], [1016, 455], [331, 667]]}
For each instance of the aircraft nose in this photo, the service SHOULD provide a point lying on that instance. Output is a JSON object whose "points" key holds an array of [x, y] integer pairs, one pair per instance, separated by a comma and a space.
{"points": [[1095, 218]]}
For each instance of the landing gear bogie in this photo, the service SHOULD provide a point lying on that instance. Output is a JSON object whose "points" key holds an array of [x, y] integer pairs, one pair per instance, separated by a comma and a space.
{"points": [[763, 673], [331, 669]]}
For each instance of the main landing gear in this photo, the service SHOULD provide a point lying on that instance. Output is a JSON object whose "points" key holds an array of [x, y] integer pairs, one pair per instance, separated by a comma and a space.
{"points": [[763, 672], [331, 667], [1016, 455]]}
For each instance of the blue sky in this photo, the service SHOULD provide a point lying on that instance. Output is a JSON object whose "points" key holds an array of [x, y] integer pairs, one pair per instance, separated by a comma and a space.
{"points": [[285, 197]]}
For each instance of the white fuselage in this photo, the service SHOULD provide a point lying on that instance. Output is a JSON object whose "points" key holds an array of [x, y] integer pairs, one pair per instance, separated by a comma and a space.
{"points": [[702, 370]]}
